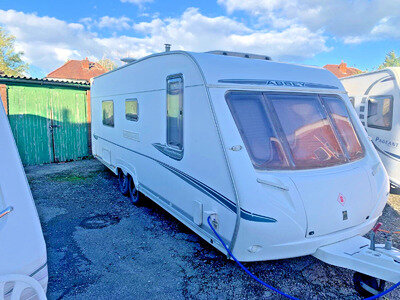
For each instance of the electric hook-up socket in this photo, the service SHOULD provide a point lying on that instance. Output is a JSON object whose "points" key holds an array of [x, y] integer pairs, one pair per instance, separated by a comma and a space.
{"points": [[213, 219]]}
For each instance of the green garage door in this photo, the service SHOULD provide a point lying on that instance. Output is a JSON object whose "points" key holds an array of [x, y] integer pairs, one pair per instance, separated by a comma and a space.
{"points": [[49, 124]]}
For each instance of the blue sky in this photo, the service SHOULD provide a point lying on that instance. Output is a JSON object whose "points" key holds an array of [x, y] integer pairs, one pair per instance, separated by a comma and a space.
{"points": [[359, 32]]}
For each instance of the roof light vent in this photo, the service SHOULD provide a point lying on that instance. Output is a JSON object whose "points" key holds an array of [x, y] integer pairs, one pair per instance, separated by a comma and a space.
{"points": [[240, 54]]}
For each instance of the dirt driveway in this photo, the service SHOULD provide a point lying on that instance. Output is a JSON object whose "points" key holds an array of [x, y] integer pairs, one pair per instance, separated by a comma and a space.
{"points": [[102, 247]]}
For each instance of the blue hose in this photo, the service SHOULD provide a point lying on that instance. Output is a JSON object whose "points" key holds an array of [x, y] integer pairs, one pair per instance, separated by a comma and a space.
{"points": [[384, 292], [271, 287]]}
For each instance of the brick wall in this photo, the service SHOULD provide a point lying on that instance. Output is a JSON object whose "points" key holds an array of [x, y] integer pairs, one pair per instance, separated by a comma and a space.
{"points": [[89, 119], [3, 95]]}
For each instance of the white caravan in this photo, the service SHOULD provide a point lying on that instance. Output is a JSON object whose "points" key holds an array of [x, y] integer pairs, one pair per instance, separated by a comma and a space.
{"points": [[22, 246], [376, 97], [273, 152]]}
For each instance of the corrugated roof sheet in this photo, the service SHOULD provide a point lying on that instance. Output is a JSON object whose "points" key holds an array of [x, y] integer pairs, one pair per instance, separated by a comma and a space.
{"points": [[43, 81]]}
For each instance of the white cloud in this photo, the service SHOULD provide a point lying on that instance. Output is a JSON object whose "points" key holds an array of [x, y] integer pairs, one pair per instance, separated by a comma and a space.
{"points": [[49, 42], [348, 19], [196, 32], [137, 2], [108, 22], [386, 28]]}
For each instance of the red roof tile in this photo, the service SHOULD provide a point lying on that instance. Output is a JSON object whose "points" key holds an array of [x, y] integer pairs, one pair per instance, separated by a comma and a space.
{"points": [[78, 70], [342, 70]]}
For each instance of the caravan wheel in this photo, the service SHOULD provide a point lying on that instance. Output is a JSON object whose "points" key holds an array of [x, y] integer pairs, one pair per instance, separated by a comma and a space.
{"points": [[133, 192], [123, 183], [367, 286]]}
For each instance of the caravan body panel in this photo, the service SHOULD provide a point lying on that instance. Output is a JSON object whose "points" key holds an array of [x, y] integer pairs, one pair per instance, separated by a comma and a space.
{"points": [[261, 213], [23, 250]]}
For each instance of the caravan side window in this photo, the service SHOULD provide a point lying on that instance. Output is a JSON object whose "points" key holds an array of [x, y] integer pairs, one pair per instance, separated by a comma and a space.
{"points": [[175, 111], [108, 112], [132, 110], [380, 112]]}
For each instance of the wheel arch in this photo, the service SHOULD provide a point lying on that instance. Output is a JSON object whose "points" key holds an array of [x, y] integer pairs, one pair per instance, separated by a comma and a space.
{"points": [[128, 170]]}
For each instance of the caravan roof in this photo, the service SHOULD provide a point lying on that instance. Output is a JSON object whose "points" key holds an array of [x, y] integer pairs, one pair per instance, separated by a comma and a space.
{"points": [[223, 70]]}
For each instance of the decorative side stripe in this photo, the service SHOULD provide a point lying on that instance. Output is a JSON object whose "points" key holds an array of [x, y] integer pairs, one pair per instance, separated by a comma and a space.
{"points": [[174, 154], [387, 153], [205, 189], [254, 217], [218, 197], [279, 83]]}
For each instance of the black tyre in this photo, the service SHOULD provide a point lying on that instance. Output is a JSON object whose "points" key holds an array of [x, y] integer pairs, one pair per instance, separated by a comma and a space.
{"points": [[123, 183], [133, 192], [365, 285]]}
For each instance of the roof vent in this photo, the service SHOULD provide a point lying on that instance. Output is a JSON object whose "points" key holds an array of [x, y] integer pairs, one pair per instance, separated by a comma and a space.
{"points": [[240, 54], [167, 47], [128, 60]]}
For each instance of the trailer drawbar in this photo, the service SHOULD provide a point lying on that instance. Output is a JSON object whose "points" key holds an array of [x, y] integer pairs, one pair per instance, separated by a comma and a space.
{"points": [[368, 288]]}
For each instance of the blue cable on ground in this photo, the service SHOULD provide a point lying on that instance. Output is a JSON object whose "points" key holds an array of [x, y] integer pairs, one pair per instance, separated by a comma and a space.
{"points": [[271, 287], [384, 292]]}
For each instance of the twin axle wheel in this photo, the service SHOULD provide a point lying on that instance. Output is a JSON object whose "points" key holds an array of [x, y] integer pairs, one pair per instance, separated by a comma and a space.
{"points": [[128, 188]]}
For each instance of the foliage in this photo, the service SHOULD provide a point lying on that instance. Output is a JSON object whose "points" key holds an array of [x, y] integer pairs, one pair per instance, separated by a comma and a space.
{"points": [[107, 63], [11, 62], [391, 60]]}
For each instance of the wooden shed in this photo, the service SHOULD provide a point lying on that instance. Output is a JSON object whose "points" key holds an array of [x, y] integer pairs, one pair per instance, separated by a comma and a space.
{"points": [[50, 119]]}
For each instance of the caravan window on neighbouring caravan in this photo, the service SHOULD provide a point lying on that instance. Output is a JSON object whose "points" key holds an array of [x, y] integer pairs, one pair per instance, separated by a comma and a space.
{"points": [[380, 112], [132, 110], [108, 113], [294, 130], [175, 111]]}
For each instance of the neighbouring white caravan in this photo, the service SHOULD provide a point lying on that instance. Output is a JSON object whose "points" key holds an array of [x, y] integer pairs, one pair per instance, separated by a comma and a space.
{"points": [[22, 246], [376, 97], [273, 152]]}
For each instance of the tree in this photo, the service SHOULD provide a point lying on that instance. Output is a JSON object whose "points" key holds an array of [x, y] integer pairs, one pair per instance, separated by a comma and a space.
{"points": [[11, 62], [107, 63], [391, 60]]}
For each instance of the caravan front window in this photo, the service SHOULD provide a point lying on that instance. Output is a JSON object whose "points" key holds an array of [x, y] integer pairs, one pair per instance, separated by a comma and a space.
{"points": [[251, 116], [294, 131], [342, 120]]}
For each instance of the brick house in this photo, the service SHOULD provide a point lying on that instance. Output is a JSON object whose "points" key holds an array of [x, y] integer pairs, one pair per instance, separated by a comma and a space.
{"points": [[81, 70], [342, 70]]}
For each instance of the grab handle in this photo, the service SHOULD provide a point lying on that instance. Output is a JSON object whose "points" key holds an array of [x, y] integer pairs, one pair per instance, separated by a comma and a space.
{"points": [[6, 211]]}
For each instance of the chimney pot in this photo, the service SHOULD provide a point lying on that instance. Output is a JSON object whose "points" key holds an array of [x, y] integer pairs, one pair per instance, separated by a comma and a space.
{"points": [[85, 63], [343, 67]]}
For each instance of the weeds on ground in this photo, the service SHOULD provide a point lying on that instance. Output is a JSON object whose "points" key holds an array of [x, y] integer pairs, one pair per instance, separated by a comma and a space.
{"points": [[71, 177]]}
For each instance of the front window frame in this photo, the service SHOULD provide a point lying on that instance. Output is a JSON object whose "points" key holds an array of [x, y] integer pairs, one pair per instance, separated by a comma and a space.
{"points": [[276, 123]]}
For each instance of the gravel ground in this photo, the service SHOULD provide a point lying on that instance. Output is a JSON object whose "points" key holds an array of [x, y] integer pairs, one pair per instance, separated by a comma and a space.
{"points": [[102, 247]]}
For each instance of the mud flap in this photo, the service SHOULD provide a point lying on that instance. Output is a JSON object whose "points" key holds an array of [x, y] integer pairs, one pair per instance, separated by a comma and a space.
{"points": [[354, 254]]}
